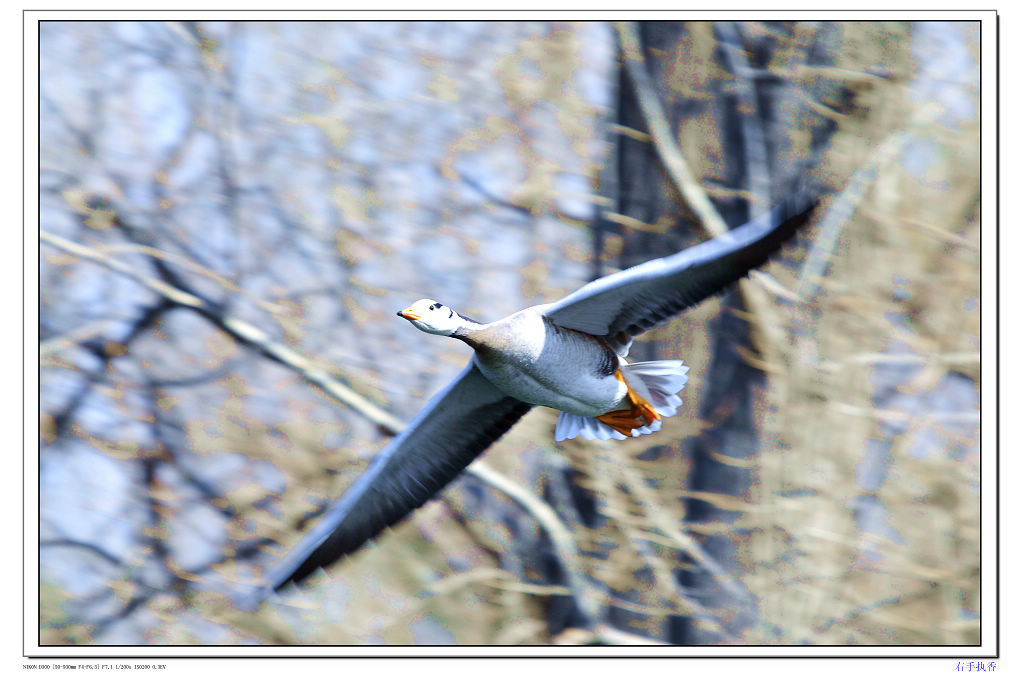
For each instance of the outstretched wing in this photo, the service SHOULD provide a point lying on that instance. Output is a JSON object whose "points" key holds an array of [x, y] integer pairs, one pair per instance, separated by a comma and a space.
{"points": [[454, 427], [642, 297]]}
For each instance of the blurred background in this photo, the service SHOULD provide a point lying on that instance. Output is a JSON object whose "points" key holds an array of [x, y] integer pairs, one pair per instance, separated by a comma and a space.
{"points": [[231, 214]]}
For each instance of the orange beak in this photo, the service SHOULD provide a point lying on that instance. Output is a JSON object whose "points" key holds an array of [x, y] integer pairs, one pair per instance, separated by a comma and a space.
{"points": [[408, 314]]}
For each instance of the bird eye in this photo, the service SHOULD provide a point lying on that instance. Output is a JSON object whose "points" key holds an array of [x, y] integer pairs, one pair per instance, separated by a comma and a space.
{"points": [[432, 307]]}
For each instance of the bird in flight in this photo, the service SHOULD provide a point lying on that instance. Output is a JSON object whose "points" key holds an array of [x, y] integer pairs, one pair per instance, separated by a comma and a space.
{"points": [[569, 355]]}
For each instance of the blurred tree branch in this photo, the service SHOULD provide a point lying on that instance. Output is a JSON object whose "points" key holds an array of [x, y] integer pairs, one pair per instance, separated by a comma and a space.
{"points": [[767, 330], [254, 337]]}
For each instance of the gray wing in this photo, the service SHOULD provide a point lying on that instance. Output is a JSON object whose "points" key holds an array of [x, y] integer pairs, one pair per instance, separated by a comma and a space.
{"points": [[642, 297], [454, 427]]}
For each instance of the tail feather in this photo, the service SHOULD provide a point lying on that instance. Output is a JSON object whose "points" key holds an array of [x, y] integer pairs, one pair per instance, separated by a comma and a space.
{"points": [[569, 426], [658, 382]]}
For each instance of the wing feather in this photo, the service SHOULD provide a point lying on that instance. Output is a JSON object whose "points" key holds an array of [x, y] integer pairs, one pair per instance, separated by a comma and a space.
{"points": [[456, 426], [649, 294]]}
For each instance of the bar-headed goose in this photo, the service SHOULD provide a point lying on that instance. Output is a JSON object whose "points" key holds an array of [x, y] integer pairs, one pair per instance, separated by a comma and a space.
{"points": [[568, 355]]}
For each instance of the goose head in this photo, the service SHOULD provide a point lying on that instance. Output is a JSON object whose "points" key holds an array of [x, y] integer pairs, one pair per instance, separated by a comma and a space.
{"points": [[432, 317]]}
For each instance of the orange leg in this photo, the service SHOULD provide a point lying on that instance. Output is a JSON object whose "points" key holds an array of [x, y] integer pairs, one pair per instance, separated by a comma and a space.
{"points": [[640, 413]]}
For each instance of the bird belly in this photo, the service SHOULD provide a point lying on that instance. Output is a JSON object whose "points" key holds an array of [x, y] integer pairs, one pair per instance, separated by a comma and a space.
{"points": [[571, 387]]}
